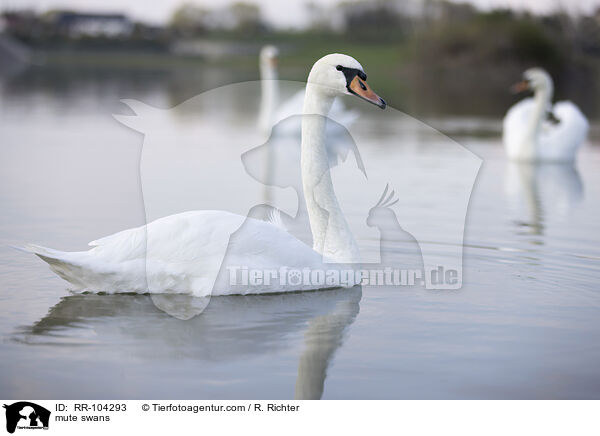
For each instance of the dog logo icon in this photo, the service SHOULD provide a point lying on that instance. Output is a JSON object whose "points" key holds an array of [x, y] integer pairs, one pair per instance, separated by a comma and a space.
{"points": [[26, 415]]}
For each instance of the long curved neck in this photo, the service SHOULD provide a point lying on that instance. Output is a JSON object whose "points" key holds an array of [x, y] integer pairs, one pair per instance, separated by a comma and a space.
{"points": [[331, 234], [269, 95], [542, 103]]}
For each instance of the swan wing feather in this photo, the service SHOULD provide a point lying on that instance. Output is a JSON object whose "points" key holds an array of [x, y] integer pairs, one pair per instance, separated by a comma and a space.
{"points": [[560, 141]]}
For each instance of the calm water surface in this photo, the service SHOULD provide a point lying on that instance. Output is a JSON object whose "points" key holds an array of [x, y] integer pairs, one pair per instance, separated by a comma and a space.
{"points": [[525, 324]]}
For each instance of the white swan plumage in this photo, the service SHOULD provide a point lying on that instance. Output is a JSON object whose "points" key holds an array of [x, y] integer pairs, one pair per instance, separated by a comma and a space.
{"points": [[535, 130], [185, 252]]}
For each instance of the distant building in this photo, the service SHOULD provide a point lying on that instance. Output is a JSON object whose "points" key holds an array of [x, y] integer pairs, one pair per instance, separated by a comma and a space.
{"points": [[88, 24], [19, 22]]}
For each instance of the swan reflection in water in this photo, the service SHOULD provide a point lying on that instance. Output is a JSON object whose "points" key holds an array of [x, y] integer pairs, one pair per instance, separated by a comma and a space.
{"points": [[547, 191], [230, 327]]}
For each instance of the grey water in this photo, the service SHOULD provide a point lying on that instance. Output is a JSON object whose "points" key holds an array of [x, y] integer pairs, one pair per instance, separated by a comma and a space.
{"points": [[524, 324]]}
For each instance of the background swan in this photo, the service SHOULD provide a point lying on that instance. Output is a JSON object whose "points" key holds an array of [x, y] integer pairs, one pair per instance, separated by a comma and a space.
{"points": [[184, 253], [536, 130]]}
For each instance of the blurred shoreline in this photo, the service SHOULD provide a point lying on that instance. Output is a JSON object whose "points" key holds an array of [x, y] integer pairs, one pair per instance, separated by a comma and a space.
{"points": [[445, 59]]}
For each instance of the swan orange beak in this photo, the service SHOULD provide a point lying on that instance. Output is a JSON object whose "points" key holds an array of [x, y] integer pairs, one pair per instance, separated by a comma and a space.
{"points": [[520, 87], [361, 89]]}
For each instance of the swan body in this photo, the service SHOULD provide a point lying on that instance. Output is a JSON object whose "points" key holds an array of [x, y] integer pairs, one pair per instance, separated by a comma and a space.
{"points": [[181, 253], [189, 252], [535, 130]]}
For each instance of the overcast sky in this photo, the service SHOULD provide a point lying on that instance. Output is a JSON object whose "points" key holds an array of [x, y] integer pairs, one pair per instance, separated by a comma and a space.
{"points": [[283, 13]]}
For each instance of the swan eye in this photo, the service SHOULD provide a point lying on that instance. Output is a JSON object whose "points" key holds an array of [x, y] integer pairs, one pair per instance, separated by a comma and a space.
{"points": [[339, 68]]}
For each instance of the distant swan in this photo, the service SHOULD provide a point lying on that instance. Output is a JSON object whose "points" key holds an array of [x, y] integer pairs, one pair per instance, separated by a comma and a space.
{"points": [[183, 253], [535, 130]]}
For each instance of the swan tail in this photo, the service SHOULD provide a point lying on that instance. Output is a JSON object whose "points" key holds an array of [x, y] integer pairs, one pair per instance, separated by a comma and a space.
{"points": [[39, 250], [65, 264]]}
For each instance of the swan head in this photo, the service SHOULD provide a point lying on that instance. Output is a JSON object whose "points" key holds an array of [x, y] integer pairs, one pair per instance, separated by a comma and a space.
{"points": [[268, 56], [340, 74], [536, 80]]}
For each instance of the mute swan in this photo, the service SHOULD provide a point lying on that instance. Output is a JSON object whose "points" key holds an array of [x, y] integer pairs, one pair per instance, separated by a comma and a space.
{"points": [[277, 162], [183, 253], [535, 130], [273, 111]]}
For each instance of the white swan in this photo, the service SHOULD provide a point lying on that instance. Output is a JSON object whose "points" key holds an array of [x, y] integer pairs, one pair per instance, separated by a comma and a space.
{"points": [[184, 253], [268, 86], [535, 130], [273, 111]]}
